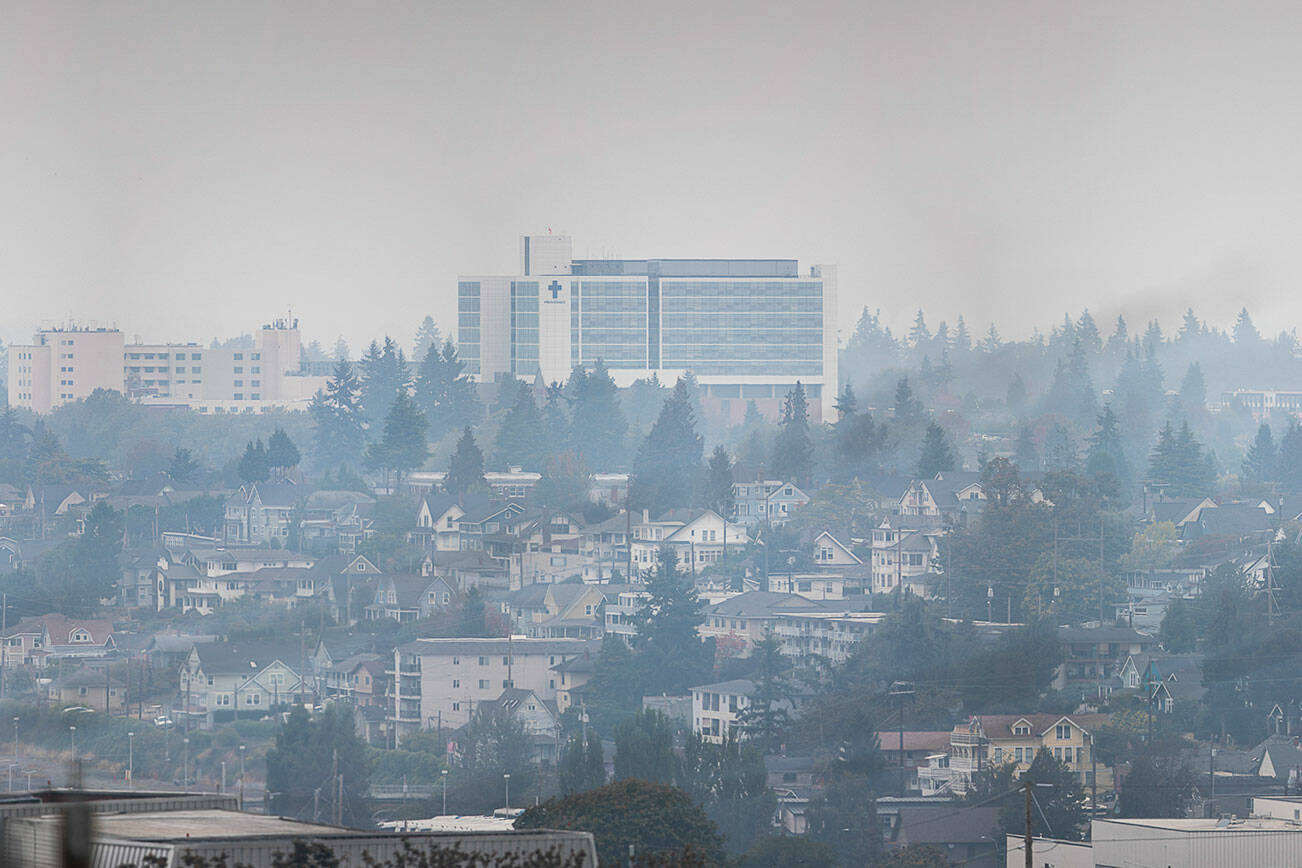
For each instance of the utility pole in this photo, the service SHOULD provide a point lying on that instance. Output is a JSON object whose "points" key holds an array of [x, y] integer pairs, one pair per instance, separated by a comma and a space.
{"points": [[1026, 788], [902, 689], [1270, 580], [334, 785]]}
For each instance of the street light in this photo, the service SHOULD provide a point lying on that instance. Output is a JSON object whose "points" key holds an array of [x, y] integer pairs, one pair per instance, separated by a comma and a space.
{"points": [[15, 739], [72, 728], [131, 760], [445, 791], [1026, 788], [185, 766], [507, 777], [241, 777]]}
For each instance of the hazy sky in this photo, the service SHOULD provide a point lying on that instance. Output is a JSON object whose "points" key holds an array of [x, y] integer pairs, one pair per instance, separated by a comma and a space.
{"points": [[186, 170]]}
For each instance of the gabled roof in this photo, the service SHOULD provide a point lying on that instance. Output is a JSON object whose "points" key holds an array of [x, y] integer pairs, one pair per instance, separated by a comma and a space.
{"points": [[245, 657], [87, 677], [1106, 633], [1285, 753], [1001, 725], [61, 627], [831, 538], [334, 499], [282, 494], [410, 588], [1234, 519]]}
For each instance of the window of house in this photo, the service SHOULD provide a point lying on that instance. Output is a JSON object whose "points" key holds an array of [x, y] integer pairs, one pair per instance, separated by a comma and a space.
{"points": [[1063, 731], [456, 683], [1017, 754], [483, 661], [456, 706], [483, 684]]}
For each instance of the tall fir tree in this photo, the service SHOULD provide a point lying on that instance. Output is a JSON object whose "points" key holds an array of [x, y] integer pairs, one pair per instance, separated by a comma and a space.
{"points": [[1106, 461], [520, 439], [466, 472], [599, 423], [427, 337], [668, 464], [908, 408], [718, 483], [793, 451], [1260, 462], [445, 392], [1289, 461], [669, 648], [338, 428], [384, 374], [936, 456], [403, 446]]}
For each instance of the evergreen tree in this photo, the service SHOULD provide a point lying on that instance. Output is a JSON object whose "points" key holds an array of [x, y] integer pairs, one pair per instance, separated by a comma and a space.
{"points": [[644, 749], [846, 403], [907, 407], [427, 338], [670, 651], [254, 466], [1245, 333], [298, 767], [936, 452], [1289, 462], [1026, 456], [445, 392], [668, 464], [183, 467], [858, 443], [583, 766], [1193, 390], [991, 342], [520, 441], [556, 425], [1158, 785], [340, 353], [1260, 463], [1071, 393], [1190, 327], [793, 451], [962, 340], [403, 446], [718, 483], [1105, 461], [767, 714], [919, 337], [282, 454], [1059, 450], [1119, 339], [599, 424], [338, 429], [1087, 332], [384, 374], [1179, 465], [466, 472], [1060, 810], [1179, 631]]}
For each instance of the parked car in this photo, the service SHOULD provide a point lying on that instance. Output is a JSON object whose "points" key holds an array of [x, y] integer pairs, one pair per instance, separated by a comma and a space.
{"points": [[163, 722]]}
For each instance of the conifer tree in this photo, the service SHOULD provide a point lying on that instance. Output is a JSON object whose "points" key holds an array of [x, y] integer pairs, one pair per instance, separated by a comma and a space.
{"points": [[1259, 464], [384, 374], [907, 407], [445, 392], [403, 447], [793, 451], [520, 440], [1289, 461], [282, 454], [936, 452], [338, 429], [466, 473], [668, 464], [669, 650], [599, 424], [718, 483], [1106, 458], [253, 466], [427, 337]]}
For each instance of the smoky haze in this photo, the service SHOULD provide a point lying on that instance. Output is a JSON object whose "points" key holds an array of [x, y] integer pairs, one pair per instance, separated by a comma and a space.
{"points": [[188, 170]]}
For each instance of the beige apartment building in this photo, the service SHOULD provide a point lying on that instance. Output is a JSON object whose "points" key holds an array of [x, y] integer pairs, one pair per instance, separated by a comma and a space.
{"points": [[67, 364]]}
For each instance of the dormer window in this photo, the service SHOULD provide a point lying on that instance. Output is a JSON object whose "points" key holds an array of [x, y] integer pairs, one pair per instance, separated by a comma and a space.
{"points": [[1021, 729], [80, 636]]}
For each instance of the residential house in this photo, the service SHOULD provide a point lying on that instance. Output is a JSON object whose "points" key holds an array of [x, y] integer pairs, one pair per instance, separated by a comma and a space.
{"points": [[513, 483], [904, 549], [341, 581], [138, 586], [44, 639], [953, 493], [831, 553], [718, 709], [964, 835], [568, 610], [1095, 654], [439, 682], [539, 717], [260, 512], [739, 622], [1163, 679], [335, 521], [574, 673], [1180, 512], [239, 677], [1280, 758], [438, 520], [765, 502], [359, 679], [788, 772], [606, 543], [404, 598], [90, 688], [831, 636], [917, 748], [992, 740], [623, 602], [699, 537], [814, 586]]}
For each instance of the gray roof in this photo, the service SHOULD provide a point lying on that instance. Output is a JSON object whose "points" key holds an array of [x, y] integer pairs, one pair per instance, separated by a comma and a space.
{"points": [[248, 657], [758, 604], [1106, 633]]}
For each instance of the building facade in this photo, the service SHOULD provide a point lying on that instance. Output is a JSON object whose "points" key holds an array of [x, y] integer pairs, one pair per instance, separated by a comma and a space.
{"points": [[748, 329], [66, 364]]}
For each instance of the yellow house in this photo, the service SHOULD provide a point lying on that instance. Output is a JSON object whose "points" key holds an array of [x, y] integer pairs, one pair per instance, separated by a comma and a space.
{"points": [[998, 739]]}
